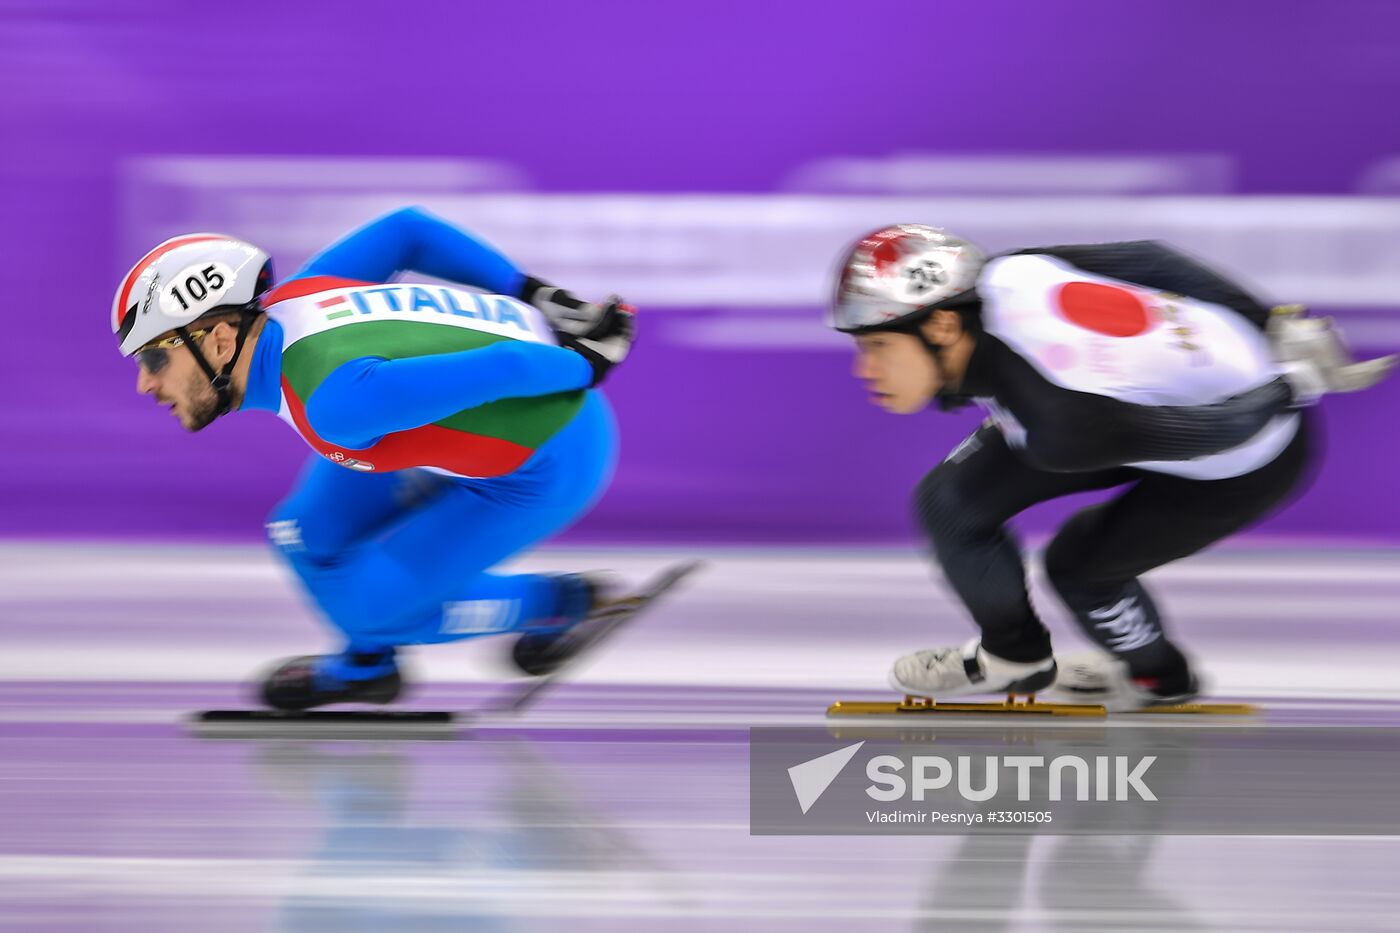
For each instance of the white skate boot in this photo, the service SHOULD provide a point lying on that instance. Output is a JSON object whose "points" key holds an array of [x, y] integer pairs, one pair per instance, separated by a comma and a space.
{"points": [[944, 673], [1097, 678]]}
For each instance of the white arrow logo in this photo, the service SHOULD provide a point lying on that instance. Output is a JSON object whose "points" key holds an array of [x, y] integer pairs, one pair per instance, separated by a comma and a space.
{"points": [[811, 778]]}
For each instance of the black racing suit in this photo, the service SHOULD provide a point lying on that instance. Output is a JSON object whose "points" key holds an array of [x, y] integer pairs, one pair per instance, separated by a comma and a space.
{"points": [[1068, 440]]}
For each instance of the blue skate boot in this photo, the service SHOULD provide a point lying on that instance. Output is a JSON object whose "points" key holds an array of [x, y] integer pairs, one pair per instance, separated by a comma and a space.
{"points": [[593, 606], [318, 680], [583, 595]]}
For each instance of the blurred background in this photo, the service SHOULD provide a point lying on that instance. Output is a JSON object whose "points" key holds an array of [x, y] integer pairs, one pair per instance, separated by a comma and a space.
{"points": [[709, 162]]}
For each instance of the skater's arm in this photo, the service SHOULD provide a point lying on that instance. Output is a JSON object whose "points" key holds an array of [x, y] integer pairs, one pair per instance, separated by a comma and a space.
{"points": [[1079, 431], [413, 240], [369, 397]]}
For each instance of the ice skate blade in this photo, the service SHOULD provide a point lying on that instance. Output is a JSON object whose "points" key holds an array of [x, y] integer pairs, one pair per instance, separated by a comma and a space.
{"points": [[925, 706], [322, 724], [1196, 709]]}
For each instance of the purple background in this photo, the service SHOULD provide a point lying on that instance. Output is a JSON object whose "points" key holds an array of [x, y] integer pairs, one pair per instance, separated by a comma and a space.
{"points": [[719, 445]]}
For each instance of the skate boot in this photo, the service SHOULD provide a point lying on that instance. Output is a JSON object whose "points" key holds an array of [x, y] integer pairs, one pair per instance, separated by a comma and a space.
{"points": [[953, 672], [542, 652], [318, 680], [1096, 678]]}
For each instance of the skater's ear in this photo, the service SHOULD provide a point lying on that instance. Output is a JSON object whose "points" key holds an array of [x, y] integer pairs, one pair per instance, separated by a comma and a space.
{"points": [[221, 342], [943, 327]]}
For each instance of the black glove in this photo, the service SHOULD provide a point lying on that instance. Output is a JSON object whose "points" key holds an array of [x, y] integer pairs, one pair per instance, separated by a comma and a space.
{"points": [[1314, 358], [567, 313], [605, 349]]}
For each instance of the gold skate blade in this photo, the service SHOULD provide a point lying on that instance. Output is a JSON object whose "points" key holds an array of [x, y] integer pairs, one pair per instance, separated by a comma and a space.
{"points": [[926, 706], [1198, 709]]}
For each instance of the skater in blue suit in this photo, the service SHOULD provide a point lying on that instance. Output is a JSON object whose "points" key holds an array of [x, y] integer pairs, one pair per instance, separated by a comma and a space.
{"points": [[452, 429]]}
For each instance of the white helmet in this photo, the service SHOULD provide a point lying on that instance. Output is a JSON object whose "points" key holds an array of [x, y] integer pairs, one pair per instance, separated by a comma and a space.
{"points": [[183, 279], [893, 276]]}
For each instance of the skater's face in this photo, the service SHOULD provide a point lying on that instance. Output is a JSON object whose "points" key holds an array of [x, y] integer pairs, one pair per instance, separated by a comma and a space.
{"points": [[899, 372], [174, 379]]}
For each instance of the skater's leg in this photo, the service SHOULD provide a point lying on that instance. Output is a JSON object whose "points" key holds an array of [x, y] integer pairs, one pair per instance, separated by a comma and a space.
{"points": [[330, 507], [1095, 560], [421, 578], [964, 504], [331, 510], [424, 581]]}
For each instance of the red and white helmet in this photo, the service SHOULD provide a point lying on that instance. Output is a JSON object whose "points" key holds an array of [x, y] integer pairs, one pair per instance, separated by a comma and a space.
{"points": [[183, 279], [892, 276]]}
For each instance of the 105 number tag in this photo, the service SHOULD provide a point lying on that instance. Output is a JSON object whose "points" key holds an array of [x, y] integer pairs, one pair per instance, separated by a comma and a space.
{"points": [[196, 289]]}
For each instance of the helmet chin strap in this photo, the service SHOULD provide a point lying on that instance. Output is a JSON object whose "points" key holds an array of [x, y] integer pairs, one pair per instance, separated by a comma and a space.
{"points": [[948, 398], [221, 381]]}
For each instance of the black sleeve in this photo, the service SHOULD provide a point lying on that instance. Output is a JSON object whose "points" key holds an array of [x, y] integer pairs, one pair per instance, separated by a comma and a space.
{"points": [[1095, 432], [1153, 264]]}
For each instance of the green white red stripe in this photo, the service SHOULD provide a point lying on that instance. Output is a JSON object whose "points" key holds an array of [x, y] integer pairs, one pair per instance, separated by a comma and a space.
{"points": [[324, 330]]}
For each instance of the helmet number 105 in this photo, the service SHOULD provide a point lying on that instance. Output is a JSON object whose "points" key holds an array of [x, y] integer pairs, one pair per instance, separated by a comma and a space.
{"points": [[196, 289]]}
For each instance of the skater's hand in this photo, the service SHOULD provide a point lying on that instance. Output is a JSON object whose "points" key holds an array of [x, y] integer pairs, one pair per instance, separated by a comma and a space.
{"points": [[1314, 359], [567, 313], [610, 345]]}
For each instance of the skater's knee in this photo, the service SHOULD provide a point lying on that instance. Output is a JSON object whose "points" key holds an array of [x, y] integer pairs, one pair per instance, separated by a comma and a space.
{"points": [[284, 533], [289, 531], [1071, 559], [947, 512], [309, 532], [283, 527], [1063, 565]]}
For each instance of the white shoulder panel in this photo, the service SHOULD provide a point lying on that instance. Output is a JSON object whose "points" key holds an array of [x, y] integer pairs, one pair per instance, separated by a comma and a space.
{"points": [[1095, 334]]}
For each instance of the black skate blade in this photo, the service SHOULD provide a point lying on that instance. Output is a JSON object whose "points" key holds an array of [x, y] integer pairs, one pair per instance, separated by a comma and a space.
{"points": [[322, 724]]}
